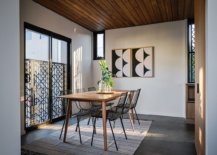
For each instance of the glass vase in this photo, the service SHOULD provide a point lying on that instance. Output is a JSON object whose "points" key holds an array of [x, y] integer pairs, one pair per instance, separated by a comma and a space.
{"points": [[104, 87]]}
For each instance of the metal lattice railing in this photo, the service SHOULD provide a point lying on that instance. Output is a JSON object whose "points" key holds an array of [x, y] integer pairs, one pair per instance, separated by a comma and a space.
{"points": [[37, 98], [58, 85]]}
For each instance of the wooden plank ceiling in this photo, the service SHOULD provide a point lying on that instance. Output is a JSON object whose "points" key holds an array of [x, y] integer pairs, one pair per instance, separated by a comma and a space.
{"points": [[98, 15]]}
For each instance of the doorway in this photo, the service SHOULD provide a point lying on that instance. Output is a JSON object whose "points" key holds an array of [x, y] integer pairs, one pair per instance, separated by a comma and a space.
{"points": [[47, 75]]}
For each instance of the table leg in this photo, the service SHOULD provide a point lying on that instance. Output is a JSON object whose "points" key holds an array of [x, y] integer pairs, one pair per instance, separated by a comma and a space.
{"points": [[67, 119], [131, 121], [104, 125], [132, 115]]}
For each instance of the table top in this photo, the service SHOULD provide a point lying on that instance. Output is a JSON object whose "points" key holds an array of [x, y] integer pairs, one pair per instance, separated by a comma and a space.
{"points": [[93, 96]]}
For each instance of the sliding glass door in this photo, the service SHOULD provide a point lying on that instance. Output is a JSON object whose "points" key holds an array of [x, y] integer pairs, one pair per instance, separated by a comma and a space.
{"points": [[46, 75], [59, 75]]}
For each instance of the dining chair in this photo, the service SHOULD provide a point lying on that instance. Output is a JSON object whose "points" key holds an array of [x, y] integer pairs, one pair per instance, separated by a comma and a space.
{"points": [[130, 106], [112, 115], [83, 111], [95, 104], [134, 102], [127, 106]]}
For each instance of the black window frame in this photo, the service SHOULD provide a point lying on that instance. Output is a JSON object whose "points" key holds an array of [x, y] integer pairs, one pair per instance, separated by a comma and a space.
{"points": [[52, 35], [191, 51], [95, 50]]}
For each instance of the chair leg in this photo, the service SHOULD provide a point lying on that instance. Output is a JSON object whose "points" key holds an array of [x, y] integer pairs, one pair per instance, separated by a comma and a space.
{"points": [[88, 121], [136, 115], [62, 130], [76, 129], [131, 121], [94, 119], [114, 124], [123, 127], [79, 131], [94, 130], [113, 135]]}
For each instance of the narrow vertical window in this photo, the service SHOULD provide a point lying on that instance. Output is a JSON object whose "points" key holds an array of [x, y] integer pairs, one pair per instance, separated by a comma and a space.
{"points": [[99, 45], [191, 51]]}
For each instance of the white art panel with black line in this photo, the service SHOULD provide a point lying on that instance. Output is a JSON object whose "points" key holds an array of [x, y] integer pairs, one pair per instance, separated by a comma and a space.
{"points": [[121, 63], [126, 63], [142, 62], [149, 61]]}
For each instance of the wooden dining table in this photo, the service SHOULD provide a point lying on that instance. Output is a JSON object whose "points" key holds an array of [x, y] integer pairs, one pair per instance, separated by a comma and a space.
{"points": [[91, 96]]}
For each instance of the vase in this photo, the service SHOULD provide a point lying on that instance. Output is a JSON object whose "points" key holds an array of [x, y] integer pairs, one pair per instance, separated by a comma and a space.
{"points": [[104, 87]]}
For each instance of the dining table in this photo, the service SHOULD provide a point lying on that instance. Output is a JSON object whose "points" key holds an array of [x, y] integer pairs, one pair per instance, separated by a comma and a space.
{"points": [[90, 96]]}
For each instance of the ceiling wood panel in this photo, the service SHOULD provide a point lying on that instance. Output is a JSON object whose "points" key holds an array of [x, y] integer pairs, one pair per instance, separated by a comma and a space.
{"points": [[175, 6], [155, 6], [150, 11], [99, 15]]}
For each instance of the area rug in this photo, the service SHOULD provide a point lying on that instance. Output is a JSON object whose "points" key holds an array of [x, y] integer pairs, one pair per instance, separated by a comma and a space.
{"points": [[51, 145]]}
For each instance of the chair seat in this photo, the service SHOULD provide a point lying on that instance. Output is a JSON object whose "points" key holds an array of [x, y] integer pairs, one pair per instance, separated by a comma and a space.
{"points": [[97, 114], [113, 115], [119, 109], [127, 106], [100, 105], [109, 104], [82, 113], [97, 106], [110, 115]]}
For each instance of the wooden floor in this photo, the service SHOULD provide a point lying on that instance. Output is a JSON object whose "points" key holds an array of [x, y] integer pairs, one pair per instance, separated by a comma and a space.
{"points": [[167, 136]]}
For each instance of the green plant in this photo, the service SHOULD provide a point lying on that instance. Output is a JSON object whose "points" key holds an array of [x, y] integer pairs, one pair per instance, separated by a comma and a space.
{"points": [[106, 74]]}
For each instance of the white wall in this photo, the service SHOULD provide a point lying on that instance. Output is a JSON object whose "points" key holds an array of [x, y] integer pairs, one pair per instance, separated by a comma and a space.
{"points": [[38, 15], [9, 78], [164, 94], [211, 76]]}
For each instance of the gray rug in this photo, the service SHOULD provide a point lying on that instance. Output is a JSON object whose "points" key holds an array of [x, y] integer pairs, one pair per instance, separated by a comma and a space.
{"points": [[51, 145]]}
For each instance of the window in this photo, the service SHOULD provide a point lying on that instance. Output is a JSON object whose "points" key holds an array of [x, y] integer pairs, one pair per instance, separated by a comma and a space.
{"points": [[99, 45], [191, 51]]}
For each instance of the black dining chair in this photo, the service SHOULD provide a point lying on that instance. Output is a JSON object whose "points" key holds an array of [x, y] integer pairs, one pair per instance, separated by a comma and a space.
{"points": [[127, 106], [134, 102], [112, 115], [131, 105], [96, 105], [83, 111]]}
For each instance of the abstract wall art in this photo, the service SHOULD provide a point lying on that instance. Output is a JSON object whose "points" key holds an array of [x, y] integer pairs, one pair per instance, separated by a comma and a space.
{"points": [[133, 62], [121, 63]]}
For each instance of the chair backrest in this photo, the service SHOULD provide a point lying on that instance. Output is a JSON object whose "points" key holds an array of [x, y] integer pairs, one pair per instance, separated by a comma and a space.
{"points": [[83, 105], [93, 103], [128, 101], [122, 101], [79, 90], [91, 89], [130, 97], [135, 98]]}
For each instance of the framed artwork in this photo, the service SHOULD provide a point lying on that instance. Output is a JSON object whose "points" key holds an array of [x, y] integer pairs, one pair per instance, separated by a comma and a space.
{"points": [[121, 63], [133, 62]]}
